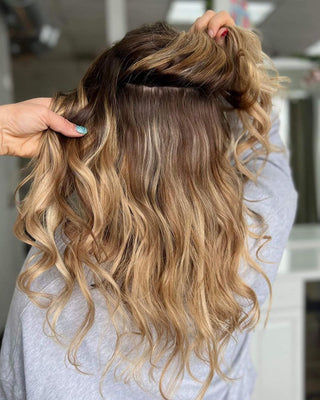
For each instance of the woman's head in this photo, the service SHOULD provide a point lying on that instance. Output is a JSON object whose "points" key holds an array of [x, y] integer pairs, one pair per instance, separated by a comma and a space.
{"points": [[151, 199], [161, 61]]}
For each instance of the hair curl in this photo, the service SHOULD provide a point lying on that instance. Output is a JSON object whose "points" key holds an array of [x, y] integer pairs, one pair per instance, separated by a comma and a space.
{"points": [[151, 199]]}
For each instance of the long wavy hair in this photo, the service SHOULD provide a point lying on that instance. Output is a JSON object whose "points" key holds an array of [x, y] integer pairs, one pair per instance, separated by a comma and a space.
{"points": [[151, 200]]}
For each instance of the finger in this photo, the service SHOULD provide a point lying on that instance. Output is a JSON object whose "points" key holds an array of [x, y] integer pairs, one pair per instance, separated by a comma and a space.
{"points": [[59, 124], [220, 36], [42, 101], [201, 23], [217, 21]]}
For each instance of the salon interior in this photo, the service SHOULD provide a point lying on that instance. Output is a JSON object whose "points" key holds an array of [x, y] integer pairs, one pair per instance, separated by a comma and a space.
{"points": [[46, 45]]}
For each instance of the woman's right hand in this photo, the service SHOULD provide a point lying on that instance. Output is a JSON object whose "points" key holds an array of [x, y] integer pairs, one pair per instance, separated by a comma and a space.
{"points": [[214, 23]]}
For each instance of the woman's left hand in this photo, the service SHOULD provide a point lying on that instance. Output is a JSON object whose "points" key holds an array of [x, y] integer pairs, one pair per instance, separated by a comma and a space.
{"points": [[214, 24], [22, 124]]}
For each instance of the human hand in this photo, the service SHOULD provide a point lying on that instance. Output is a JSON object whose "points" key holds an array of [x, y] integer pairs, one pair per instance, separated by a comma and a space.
{"points": [[22, 124], [213, 23]]}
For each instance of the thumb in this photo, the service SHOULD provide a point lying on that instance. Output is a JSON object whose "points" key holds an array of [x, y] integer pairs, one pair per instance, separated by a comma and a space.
{"points": [[60, 124]]}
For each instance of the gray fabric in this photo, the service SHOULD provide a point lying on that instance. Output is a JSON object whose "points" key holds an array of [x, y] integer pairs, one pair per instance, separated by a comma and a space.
{"points": [[32, 364]]}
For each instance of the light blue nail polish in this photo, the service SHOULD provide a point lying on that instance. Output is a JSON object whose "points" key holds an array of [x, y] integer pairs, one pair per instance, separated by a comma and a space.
{"points": [[81, 129]]}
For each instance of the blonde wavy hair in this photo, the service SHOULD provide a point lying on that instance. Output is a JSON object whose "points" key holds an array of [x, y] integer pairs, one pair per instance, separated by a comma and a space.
{"points": [[151, 200]]}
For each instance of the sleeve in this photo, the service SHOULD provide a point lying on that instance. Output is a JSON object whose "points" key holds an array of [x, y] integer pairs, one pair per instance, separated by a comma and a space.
{"points": [[8, 391], [277, 204]]}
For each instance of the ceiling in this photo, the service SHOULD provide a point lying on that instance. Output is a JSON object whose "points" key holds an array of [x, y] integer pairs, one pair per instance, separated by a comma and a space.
{"points": [[293, 26]]}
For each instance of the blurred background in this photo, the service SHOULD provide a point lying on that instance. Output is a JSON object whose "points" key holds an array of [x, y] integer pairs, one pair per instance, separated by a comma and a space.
{"points": [[47, 46]]}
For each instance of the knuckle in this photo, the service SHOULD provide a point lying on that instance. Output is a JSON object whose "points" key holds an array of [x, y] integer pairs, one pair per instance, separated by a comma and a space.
{"points": [[197, 24], [224, 14], [46, 112], [211, 26]]}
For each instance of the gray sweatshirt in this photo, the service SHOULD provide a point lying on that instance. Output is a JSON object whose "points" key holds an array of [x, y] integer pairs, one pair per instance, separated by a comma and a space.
{"points": [[33, 366]]}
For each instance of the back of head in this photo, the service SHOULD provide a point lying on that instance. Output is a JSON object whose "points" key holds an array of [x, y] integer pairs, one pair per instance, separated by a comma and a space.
{"points": [[151, 199]]}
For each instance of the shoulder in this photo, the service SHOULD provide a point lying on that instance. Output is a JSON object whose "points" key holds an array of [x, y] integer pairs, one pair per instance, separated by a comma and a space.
{"points": [[48, 281]]}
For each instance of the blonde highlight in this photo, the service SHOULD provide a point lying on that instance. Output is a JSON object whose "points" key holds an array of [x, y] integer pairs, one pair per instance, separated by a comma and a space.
{"points": [[151, 199]]}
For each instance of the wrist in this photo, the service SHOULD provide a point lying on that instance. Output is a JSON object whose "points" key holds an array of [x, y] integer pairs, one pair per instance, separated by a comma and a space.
{"points": [[4, 150]]}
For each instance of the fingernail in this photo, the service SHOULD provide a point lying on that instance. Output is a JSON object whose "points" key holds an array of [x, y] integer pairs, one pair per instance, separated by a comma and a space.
{"points": [[81, 129], [224, 33], [210, 32]]}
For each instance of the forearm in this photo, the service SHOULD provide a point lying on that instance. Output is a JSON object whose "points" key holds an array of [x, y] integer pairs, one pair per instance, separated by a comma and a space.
{"points": [[274, 195], [276, 176]]}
